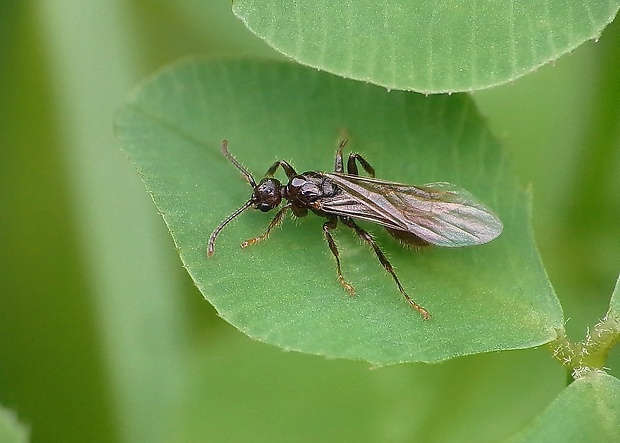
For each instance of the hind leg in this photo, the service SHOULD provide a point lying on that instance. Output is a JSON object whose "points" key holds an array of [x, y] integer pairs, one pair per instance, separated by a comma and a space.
{"points": [[365, 236]]}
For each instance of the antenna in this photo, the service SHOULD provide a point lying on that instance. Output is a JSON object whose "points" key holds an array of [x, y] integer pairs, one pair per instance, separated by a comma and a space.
{"points": [[237, 164], [211, 247]]}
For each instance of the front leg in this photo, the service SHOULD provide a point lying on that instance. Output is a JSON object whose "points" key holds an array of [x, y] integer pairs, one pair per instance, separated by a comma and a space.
{"points": [[288, 169], [277, 221]]}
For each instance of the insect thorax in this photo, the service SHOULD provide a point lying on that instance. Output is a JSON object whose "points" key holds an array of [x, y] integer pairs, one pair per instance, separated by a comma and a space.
{"points": [[309, 187]]}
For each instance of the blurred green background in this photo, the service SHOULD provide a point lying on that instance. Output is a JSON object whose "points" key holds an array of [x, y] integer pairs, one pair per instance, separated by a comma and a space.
{"points": [[104, 338]]}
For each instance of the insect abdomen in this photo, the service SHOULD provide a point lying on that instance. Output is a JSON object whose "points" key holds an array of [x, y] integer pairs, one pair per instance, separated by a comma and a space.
{"points": [[407, 238]]}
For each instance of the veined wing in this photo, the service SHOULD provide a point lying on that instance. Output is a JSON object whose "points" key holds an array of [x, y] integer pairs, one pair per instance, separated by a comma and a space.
{"points": [[439, 213]]}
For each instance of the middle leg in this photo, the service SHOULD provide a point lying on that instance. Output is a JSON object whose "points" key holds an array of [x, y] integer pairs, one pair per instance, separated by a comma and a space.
{"points": [[338, 161], [351, 165], [328, 226]]}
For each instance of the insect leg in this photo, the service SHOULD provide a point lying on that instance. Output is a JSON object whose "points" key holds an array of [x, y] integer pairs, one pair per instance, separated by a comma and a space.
{"points": [[364, 235], [277, 220], [352, 166], [338, 161], [327, 226], [288, 169]]}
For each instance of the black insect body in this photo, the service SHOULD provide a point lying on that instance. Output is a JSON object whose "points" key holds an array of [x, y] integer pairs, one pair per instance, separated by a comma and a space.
{"points": [[434, 214]]}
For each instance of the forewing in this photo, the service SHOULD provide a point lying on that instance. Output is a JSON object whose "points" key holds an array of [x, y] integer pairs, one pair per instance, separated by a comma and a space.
{"points": [[439, 213]]}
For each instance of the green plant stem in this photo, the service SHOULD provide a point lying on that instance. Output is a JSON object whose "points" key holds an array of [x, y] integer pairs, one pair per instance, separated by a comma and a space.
{"points": [[591, 353]]}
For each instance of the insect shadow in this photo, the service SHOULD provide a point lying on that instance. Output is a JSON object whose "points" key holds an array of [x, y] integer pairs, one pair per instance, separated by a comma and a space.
{"points": [[438, 214]]}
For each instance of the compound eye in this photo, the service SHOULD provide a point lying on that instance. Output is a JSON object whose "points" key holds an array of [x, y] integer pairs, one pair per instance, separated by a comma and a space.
{"points": [[264, 207]]}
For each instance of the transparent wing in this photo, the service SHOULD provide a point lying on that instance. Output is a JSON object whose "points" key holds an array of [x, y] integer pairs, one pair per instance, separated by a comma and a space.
{"points": [[439, 213]]}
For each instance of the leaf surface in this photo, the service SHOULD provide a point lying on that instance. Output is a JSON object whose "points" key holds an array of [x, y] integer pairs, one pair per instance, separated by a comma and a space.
{"points": [[614, 304], [587, 410], [284, 291], [426, 46]]}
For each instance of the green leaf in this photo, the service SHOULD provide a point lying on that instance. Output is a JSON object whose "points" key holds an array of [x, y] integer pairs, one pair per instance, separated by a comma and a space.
{"points": [[614, 304], [588, 410], [446, 46], [11, 430], [284, 291]]}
